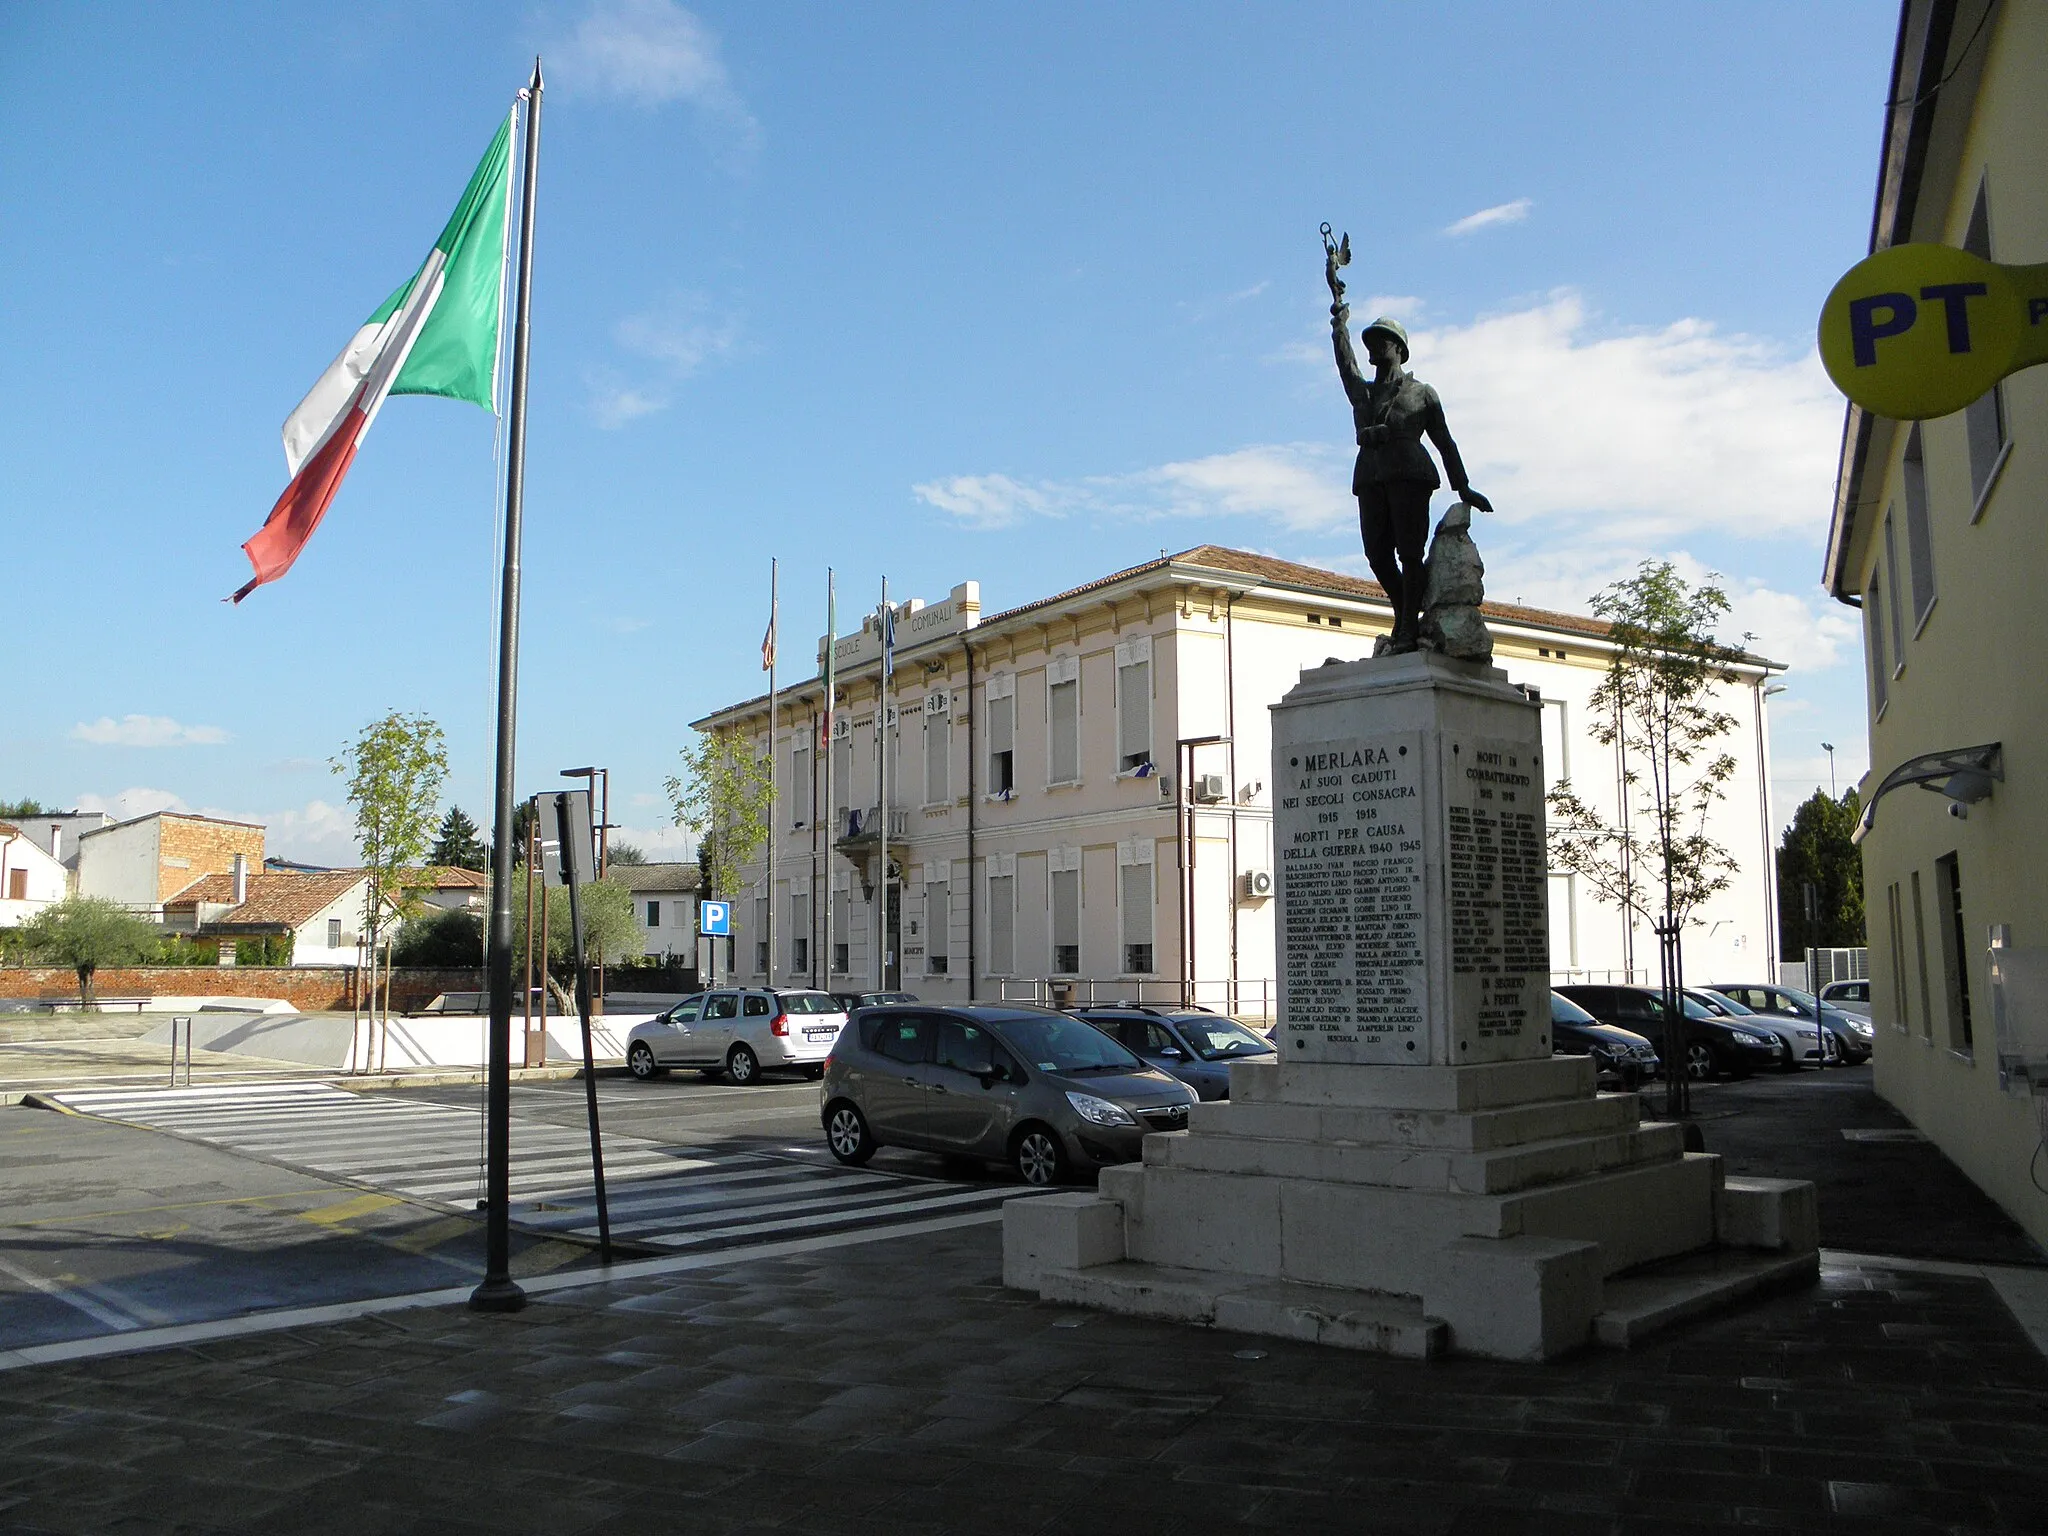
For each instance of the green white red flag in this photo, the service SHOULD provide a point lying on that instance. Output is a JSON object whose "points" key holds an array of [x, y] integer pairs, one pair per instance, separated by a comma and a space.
{"points": [[436, 335]]}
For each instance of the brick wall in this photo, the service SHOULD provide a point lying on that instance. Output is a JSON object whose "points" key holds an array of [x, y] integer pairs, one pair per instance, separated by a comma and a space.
{"points": [[206, 847], [308, 988]]}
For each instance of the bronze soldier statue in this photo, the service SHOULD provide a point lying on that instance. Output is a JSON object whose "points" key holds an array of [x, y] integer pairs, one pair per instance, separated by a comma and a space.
{"points": [[1394, 476]]}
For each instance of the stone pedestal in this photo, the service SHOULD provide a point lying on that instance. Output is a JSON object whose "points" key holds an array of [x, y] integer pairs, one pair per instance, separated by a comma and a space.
{"points": [[1417, 1172]]}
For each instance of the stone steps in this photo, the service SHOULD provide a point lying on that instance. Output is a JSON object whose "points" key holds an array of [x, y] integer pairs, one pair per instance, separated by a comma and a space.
{"points": [[1647, 1301], [1490, 1130], [1363, 1320]]}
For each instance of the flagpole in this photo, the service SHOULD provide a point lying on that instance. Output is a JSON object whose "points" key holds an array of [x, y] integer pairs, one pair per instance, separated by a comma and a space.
{"points": [[882, 798], [499, 1292], [823, 887], [774, 645]]}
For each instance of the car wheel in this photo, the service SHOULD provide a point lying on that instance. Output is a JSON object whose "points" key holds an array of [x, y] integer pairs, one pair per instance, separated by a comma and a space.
{"points": [[1040, 1159], [743, 1066], [814, 1073], [1700, 1061], [641, 1063], [847, 1134]]}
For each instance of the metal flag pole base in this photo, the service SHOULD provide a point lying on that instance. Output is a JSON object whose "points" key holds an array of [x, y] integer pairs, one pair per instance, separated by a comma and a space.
{"points": [[497, 1296]]}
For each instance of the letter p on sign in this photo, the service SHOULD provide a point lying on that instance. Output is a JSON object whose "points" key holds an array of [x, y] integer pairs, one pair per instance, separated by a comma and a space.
{"points": [[1922, 330]]}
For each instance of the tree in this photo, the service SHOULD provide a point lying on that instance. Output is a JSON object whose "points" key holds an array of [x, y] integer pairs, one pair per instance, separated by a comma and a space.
{"points": [[1816, 852], [1656, 707], [608, 929], [395, 769], [87, 932], [25, 807], [722, 796], [441, 938], [619, 851], [458, 845]]}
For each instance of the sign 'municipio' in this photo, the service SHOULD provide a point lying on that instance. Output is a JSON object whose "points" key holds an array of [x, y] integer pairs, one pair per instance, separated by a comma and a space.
{"points": [[1918, 331]]}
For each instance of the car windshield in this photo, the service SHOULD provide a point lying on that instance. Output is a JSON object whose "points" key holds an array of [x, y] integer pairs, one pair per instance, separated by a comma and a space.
{"points": [[1055, 1042], [808, 1002], [1714, 1002], [1215, 1037], [1805, 1000], [1564, 1011]]}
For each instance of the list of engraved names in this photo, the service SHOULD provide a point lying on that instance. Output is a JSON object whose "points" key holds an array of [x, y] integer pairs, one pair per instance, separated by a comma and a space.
{"points": [[1349, 829], [1496, 868]]}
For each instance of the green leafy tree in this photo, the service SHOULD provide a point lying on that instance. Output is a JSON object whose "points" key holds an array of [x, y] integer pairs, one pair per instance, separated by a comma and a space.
{"points": [[85, 933], [441, 938], [1656, 706], [1817, 853], [608, 929], [619, 851], [722, 795], [394, 770], [25, 807], [458, 845]]}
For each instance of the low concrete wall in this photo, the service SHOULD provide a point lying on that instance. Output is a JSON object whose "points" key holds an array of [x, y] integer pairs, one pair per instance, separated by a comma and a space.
{"points": [[310, 989]]}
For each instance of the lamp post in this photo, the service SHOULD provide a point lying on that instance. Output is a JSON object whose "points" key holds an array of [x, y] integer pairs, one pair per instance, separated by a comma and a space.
{"points": [[1829, 748], [1184, 849], [599, 782]]}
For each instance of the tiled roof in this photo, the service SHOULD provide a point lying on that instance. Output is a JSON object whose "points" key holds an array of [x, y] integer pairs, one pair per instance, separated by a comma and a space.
{"points": [[289, 900], [447, 877], [657, 877]]}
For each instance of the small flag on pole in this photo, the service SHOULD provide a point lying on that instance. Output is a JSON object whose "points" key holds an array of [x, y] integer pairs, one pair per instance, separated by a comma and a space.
{"points": [[768, 639], [831, 669], [437, 335], [888, 640]]}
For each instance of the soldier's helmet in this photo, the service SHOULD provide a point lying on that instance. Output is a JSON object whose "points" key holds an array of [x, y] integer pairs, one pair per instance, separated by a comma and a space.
{"points": [[1388, 326]]}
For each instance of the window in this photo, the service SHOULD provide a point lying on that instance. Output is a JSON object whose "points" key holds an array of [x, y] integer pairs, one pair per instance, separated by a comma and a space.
{"points": [[1983, 418], [965, 1048], [800, 785], [1002, 735], [1919, 535], [1134, 704], [1898, 946], [839, 949], [800, 931], [757, 1006], [938, 922], [1920, 954], [903, 1037], [1065, 882], [1557, 731], [761, 935], [723, 1006], [333, 923], [1898, 594], [842, 775], [1955, 959], [1134, 892], [938, 748], [1063, 720], [654, 914], [1002, 916], [1873, 640]]}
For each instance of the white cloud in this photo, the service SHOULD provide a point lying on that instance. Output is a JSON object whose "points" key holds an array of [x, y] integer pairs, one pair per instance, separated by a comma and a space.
{"points": [[613, 404], [1499, 213], [662, 844], [1298, 485], [651, 53], [986, 501], [146, 731], [683, 332]]}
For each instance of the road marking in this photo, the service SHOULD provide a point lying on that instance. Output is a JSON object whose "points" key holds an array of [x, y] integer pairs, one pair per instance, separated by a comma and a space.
{"points": [[432, 1235], [180, 1205], [349, 1210], [84, 1298]]}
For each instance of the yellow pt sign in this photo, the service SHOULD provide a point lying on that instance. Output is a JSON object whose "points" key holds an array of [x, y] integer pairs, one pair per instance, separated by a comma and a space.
{"points": [[1922, 330]]}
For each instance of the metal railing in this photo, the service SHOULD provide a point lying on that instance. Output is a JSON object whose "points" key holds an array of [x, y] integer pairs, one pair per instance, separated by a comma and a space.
{"points": [[1242, 998]]}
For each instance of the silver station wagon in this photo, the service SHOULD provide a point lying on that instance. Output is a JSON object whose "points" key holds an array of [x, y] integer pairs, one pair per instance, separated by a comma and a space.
{"points": [[1031, 1087], [738, 1033]]}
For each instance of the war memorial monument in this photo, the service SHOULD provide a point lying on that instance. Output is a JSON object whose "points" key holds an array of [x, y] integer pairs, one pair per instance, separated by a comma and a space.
{"points": [[1417, 1173]]}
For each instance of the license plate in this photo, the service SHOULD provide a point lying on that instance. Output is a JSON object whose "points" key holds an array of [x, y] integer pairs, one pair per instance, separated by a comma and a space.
{"points": [[820, 1034]]}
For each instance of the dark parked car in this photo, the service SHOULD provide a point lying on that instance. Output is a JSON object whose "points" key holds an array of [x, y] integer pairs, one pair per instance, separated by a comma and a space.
{"points": [[852, 1000], [1852, 1036], [1032, 1087], [1622, 1058], [1192, 1044], [1713, 1046]]}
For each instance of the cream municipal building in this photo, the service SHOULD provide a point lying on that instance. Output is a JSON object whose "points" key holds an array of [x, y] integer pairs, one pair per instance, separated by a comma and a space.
{"points": [[1939, 536], [1080, 802]]}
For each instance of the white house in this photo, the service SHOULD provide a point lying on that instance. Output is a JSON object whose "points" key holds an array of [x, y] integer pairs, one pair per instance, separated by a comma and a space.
{"points": [[664, 905], [322, 913], [1079, 797], [144, 861], [57, 833], [30, 879]]}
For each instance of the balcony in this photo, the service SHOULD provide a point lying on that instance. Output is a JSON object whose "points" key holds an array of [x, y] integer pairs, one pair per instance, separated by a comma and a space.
{"points": [[859, 838]]}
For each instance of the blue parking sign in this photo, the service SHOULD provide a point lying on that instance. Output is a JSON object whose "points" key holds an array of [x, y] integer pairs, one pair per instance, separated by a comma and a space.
{"points": [[714, 918]]}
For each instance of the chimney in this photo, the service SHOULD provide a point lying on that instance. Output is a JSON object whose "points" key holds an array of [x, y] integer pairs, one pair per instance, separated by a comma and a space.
{"points": [[241, 878], [57, 843]]}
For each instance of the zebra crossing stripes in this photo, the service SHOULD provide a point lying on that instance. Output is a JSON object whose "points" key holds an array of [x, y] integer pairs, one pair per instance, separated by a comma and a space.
{"points": [[659, 1196]]}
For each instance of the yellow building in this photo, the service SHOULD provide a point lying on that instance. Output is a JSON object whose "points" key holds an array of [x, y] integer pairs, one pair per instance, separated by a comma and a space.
{"points": [[1939, 536]]}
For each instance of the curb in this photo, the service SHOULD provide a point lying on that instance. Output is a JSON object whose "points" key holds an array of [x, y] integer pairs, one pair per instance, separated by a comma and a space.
{"points": [[36, 1098]]}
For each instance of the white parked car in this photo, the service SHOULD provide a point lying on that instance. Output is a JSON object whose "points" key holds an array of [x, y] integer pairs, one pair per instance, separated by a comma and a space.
{"points": [[1849, 996], [740, 1032]]}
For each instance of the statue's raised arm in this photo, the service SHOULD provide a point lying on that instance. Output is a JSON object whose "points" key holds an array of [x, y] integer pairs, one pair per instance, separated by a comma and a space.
{"points": [[1336, 253]]}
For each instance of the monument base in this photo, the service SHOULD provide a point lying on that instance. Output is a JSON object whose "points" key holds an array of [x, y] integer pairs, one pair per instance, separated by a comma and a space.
{"points": [[1505, 1210]]}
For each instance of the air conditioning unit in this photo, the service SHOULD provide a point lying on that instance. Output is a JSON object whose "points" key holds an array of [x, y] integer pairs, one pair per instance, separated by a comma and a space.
{"points": [[1209, 788], [1258, 884]]}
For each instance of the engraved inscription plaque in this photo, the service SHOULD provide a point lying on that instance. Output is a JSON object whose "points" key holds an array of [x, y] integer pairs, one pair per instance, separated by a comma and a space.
{"points": [[1348, 825], [1495, 884]]}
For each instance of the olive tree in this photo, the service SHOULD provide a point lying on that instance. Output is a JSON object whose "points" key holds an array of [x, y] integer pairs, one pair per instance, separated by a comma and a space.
{"points": [[608, 929], [85, 933]]}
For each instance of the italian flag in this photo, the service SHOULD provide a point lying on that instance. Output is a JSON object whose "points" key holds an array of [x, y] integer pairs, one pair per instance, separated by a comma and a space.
{"points": [[437, 335]]}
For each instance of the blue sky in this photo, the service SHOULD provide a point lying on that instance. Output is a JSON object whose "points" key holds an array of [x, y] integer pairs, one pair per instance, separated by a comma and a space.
{"points": [[1018, 294]]}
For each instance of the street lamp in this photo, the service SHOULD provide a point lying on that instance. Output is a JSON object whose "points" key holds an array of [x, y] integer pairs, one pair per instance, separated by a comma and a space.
{"points": [[1184, 849], [1829, 748]]}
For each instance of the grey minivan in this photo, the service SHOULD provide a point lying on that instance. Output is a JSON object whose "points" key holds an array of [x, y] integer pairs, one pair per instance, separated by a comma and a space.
{"points": [[1032, 1087]]}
